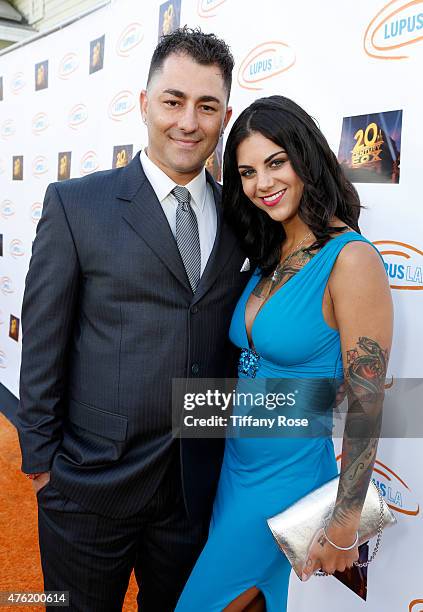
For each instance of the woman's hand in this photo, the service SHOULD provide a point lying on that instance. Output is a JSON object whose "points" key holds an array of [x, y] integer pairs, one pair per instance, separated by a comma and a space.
{"points": [[323, 556]]}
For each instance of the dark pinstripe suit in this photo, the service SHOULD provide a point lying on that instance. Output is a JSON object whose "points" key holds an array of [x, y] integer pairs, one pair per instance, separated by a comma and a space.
{"points": [[108, 320]]}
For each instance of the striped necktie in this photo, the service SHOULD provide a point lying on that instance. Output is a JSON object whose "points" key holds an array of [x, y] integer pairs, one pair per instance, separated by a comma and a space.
{"points": [[187, 236]]}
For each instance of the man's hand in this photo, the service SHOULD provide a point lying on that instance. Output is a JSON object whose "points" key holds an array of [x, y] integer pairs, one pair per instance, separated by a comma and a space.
{"points": [[41, 481]]}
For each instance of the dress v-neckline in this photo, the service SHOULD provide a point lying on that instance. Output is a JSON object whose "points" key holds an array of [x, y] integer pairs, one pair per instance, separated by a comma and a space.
{"points": [[251, 344]]}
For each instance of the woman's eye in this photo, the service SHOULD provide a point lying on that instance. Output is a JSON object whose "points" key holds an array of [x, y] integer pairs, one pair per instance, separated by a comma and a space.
{"points": [[247, 173], [275, 163]]}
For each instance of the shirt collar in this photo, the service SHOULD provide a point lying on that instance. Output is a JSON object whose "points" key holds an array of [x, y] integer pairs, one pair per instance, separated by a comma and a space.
{"points": [[163, 184]]}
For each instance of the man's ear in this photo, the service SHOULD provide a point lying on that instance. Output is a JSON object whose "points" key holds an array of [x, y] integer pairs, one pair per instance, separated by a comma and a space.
{"points": [[228, 116], [143, 104]]}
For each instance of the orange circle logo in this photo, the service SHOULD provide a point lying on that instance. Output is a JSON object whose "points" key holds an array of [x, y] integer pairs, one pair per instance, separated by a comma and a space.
{"points": [[394, 29], [36, 210], [89, 163], [7, 128], [7, 209], [39, 123], [6, 285], [130, 38], [18, 82], [77, 115], [403, 264], [122, 104], [264, 62], [39, 166], [68, 64]]}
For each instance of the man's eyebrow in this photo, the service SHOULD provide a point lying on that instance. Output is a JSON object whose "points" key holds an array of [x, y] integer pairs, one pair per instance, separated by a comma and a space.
{"points": [[180, 94], [175, 92], [209, 99], [268, 159]]}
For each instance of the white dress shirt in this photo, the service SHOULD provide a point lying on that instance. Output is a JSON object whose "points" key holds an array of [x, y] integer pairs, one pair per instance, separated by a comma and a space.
{"points": [[202, 201]]}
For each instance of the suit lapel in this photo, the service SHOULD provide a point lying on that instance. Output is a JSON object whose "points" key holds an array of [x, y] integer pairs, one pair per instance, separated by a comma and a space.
{"points": [[145, 215], [223, 247]]}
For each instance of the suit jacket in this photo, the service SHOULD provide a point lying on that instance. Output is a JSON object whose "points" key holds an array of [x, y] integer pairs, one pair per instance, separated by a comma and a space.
{"points": [[108, 320]]}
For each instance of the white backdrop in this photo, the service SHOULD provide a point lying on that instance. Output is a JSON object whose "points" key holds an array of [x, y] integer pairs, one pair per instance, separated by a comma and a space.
{"points": [[337, 59]]}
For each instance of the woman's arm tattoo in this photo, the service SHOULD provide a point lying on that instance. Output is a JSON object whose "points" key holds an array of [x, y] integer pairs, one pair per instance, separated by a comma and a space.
{"points": [[364, 378]]}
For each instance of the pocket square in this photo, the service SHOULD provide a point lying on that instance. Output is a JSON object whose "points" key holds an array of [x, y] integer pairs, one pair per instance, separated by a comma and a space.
{"points": [[246, 265]]}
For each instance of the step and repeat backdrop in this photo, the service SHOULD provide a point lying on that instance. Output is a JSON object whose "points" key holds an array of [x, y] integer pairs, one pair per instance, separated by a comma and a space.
{"points": [[69, 106]]}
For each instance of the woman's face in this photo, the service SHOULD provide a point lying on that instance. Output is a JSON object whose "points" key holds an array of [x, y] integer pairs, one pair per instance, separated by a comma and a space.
{"points": [[268, 178]]}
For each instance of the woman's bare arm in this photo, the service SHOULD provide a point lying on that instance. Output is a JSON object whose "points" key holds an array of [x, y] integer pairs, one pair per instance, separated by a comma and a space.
{"points": [[362, 305]]}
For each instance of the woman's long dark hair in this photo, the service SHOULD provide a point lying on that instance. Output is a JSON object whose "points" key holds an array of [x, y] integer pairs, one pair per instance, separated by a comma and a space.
{"points": [[327, 192]]}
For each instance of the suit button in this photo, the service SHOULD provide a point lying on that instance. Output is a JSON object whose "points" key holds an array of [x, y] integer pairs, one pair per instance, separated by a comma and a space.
{"points": [[195, 368], [194, 309]]}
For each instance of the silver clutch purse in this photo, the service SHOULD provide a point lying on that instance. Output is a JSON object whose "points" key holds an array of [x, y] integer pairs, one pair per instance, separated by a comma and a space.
{"points": [[295, 527]]}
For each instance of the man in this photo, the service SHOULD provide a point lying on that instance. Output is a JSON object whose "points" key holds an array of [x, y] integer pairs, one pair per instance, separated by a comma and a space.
{"points": [[132, 283]]}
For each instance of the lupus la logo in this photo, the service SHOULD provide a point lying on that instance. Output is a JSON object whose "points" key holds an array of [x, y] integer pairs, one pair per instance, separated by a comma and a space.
{"points": [[403, 264], [40, 123], [7, 128], [89, 163], [35, 212], [395, 491], [7, 209], [6, 285], [3, 359], [416, 605], [77, 115], [16, 248], [265, 61], [67, 66], [130, 38], [18, 82], [122, 104], [207, 8], [396, 27], [39, 166]]}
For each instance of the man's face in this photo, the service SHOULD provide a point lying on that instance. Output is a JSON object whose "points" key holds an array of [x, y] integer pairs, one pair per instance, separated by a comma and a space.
{"points": [[185, 111]]}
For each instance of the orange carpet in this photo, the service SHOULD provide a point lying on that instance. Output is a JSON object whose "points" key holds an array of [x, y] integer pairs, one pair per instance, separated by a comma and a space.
{"points": [[20, 568]]}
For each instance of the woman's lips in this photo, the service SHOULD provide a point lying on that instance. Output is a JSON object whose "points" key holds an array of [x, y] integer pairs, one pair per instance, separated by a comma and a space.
{"points": [[274, 198]]}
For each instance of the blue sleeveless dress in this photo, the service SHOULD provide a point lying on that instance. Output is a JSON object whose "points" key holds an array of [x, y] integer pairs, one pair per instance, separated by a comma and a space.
{"points": [[261, 476]]}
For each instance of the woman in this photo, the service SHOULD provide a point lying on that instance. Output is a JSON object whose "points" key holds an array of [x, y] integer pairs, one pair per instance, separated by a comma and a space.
{"points": [[317, 308]]}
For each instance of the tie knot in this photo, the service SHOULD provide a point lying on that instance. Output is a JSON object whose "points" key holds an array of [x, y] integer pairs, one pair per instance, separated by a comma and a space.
{"points": [[181, 194]]}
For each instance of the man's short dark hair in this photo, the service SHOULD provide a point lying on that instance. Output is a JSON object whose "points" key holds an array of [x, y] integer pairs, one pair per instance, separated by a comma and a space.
{"points": [[205, 49]]}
